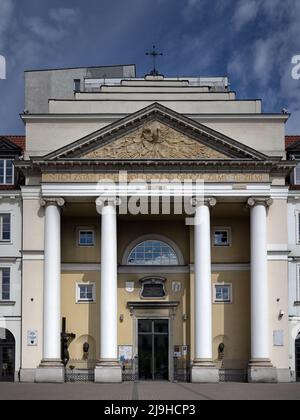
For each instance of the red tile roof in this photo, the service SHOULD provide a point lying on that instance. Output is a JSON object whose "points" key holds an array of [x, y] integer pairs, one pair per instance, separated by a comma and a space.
{"points": [[289, 140], [17, 140]]}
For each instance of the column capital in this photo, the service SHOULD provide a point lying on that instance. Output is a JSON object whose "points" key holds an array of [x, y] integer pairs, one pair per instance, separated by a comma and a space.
{"points": [[107, 201], [260, 201], [58, 201], [204, 201]]}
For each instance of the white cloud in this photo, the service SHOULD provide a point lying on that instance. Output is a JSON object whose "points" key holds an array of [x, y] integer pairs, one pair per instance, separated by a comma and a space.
{"points": [[245, 13], [6, 15], [44, 31], [65, 15]]}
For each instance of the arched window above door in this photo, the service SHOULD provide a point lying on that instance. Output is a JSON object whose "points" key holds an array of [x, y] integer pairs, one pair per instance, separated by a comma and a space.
{"points": [[152, 252]]}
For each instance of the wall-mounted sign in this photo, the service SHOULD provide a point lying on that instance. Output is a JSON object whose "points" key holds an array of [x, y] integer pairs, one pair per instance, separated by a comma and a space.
{"points": [[278, 338], [184, 350], [125, 353], [32, 338], [129, 286], [177, 351]]}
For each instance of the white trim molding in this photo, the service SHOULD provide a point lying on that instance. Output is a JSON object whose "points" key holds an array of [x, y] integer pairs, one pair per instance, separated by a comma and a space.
{"points": [[215, 268], [33, 255], [278, 252]]}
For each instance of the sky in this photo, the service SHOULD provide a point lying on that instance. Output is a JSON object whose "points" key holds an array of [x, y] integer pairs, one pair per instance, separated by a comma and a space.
{"points": [[251, 41]]}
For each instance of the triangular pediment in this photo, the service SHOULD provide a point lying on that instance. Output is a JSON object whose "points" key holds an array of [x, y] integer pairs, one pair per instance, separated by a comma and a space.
{"points": [[156, 132], [155, 140], [8, 148]]}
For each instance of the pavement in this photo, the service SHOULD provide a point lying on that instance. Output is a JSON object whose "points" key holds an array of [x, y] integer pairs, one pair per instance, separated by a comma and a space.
{"points": [[155, 391]]}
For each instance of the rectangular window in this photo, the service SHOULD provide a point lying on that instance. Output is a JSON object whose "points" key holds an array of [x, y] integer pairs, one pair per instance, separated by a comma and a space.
{"points": [[298, 227], [86, 292], [5, 228], [6, 172], [297, 174], [222, 293], [221, 237], [86, 237], [298, 284], [76, 85], [5, 284]]}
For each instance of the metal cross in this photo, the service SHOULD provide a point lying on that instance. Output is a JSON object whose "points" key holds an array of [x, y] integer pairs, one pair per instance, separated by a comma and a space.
{"points": [[154, 54]]}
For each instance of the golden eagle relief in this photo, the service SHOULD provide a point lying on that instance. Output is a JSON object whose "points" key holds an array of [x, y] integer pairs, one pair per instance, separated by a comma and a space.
{"points": [[155, 141]]}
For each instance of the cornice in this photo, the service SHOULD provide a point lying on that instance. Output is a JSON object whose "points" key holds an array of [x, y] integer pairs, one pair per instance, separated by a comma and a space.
{"points": [[274, 166], [108, 116]]}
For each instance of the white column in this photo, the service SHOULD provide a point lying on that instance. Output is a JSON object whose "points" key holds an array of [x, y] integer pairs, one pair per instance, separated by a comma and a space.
{"points": [[52, 281], [109, 287], [108, 368], [203, 288], [259, 281]]}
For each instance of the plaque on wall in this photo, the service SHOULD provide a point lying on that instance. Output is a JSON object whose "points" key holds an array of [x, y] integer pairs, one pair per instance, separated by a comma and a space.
{"points": [[176, 286], [125, 353], [153, 287], [278, 338], [32, 338], [129, 286]]}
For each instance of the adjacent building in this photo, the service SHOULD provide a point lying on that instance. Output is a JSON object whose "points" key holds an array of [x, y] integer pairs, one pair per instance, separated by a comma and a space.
{"points": [[11, 149], [151, 247], [293, 153]]}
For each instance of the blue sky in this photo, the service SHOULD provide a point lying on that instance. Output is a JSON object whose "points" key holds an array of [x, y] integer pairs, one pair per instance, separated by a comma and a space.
{"points": [[251, 41]]}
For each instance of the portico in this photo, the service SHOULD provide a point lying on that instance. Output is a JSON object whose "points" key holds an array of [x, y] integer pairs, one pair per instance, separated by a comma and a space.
{"points": [[204, 368], [156, 234]]}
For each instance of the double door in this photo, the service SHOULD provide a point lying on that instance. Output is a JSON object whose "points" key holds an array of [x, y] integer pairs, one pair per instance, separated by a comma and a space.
{"points": [[297, 358], [7, 362], [153, 349]]}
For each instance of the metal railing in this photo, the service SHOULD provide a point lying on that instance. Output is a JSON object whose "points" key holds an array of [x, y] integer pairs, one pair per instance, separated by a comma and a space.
{"points": [[79, 370]]}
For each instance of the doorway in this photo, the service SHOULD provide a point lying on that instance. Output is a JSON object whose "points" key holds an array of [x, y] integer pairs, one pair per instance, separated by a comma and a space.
{"points": [[153, 349], [7, 356], [297, 358]]}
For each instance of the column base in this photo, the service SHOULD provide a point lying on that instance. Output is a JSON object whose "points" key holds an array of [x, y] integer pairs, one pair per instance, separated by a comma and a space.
{"points": [[262, 371], [50, 371], [108, 371], [204, 372]]}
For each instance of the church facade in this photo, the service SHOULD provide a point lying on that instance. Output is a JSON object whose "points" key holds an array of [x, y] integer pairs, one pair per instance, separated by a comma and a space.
{"points": [[155, 234]]}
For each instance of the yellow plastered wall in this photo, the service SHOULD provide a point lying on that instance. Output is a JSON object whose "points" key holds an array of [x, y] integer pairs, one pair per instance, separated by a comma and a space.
{"points": [[83, 319], [231, 322]]}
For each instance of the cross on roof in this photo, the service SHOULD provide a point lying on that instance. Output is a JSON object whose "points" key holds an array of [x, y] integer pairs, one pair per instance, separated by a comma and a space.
{"points": [[154, 55]]}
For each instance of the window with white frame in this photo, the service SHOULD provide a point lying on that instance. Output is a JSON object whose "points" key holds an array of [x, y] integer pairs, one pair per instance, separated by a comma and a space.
{"points": [[298, 227], [153, 252], [85, 292], [222, 293], [86, 237], [5, 227], [221, 236], [297, 174], [6, 172], [5, 283], [298, 284]]}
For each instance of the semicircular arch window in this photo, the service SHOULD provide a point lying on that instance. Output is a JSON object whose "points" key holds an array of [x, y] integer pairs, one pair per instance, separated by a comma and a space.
{"points": [[153, 253]]}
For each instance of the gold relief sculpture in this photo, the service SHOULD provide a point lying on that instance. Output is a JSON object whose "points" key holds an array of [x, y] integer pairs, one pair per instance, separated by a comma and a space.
{"points": [[155, 141]]}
